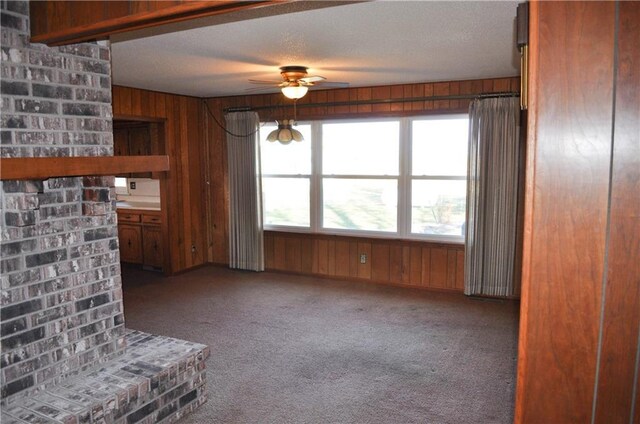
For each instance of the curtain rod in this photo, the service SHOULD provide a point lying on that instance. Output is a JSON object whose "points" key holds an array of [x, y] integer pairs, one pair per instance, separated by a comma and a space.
{"points": [[378, 101]]}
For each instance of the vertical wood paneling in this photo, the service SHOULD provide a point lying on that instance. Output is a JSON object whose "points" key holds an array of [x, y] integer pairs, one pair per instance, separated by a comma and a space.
{"points": [[416, 265], [354, 262], [441, 89], [279, 253], [570, 127], [451, 268], [380, 258], [331, 257], [306, 247], [438, 268], [459, 270], [364, 270], [396, 264], [323, 257], [383, 92], [400, 262], [269, 251], [183, 187], [406, 264], [342, 258], [621, 320], [425, 272], [293, 260]]}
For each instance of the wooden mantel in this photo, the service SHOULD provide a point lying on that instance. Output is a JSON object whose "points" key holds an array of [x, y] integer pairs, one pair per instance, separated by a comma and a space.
{"points": [[50, 167]]}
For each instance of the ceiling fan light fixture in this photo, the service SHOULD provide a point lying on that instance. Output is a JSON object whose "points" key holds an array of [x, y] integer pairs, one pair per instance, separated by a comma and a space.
{"points": [[295, 91], [285, 132]]}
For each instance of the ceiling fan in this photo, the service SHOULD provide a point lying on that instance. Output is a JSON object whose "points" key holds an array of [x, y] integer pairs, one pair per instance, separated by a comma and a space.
{"points": [[296, 81]]}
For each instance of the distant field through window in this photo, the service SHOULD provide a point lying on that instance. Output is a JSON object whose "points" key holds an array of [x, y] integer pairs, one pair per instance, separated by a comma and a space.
{"points": [[387, 177]]}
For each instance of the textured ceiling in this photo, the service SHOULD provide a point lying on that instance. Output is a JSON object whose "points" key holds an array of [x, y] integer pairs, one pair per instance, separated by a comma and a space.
{"points": [[372, 43]]}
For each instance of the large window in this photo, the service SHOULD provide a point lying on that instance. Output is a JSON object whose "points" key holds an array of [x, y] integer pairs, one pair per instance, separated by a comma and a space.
{"points": [[360, 170], [394, 177], [438, 175], [286, 180]]}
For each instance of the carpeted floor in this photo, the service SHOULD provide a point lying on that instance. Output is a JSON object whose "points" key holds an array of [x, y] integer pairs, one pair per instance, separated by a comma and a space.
{"points": [[292, 349]]}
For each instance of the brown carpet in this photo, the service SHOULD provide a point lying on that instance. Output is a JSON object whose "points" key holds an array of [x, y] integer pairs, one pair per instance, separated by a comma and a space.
{"points": [[291, 349]]}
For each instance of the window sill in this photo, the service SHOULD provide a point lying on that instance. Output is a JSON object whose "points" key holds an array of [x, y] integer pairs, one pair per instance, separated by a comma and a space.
{"points": [[332, 235]]}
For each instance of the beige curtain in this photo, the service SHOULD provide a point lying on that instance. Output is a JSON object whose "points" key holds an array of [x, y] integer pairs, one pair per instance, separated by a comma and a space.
{"points": [[492, 196], [246, 247]]}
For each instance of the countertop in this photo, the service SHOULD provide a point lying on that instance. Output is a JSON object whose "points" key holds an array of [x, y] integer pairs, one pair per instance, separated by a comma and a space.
{"points": [[147, 206]]}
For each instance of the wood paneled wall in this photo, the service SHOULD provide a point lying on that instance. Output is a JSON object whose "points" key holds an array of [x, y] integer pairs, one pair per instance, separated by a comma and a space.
{"points": [[183, 187], [397, 262], [398, 269], [580, 318], [70, 21]]}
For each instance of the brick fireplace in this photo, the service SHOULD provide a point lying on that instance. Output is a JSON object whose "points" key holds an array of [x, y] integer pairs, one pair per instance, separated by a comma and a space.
{"points": [[62, 311]]}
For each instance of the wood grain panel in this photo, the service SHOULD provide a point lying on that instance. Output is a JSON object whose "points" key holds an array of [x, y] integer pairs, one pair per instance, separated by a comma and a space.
{"points": [[387, 262], [323, 257], [406, 264], [380, 265], [342, 258], [293, 259], [451, 268], [49, 167], [306, 248], [439, 262], [459, 270], [621, 320], [58, 22], [364, 270], [425, 272], [571, 45], [279, 253], [180, 122], [396, 264], [269, 252], [415, 265]]}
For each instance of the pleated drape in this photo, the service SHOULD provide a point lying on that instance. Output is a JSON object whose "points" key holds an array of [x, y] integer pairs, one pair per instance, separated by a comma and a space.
{"points": [[246, 247], [492, 196]]}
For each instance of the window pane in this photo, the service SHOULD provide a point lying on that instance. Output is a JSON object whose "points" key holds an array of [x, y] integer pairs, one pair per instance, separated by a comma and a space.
{"points": [[369, 205], [362, 148], [438, 207], [440, 146], [290, 159], [286, 201]]}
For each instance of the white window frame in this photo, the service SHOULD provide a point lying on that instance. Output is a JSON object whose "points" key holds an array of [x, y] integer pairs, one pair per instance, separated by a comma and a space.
{"points": [[404, 180]]}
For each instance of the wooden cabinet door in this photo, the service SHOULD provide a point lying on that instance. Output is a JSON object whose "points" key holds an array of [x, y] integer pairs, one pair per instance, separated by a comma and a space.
{"points": [[152, 245], [130, 243]]}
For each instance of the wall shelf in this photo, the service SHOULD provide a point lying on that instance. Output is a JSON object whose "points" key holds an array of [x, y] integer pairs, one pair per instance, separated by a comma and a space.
{"points": [[44, 168]]}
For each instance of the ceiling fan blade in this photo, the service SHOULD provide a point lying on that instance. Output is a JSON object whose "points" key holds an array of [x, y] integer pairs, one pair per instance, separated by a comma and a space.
{"points": [[274, 82], [312, 78], [274, 89], [332, 84]]}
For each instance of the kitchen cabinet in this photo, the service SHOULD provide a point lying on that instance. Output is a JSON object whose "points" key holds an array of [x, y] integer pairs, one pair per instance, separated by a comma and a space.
{"points": [[140, 236], [152, 245], [130, 243]]}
